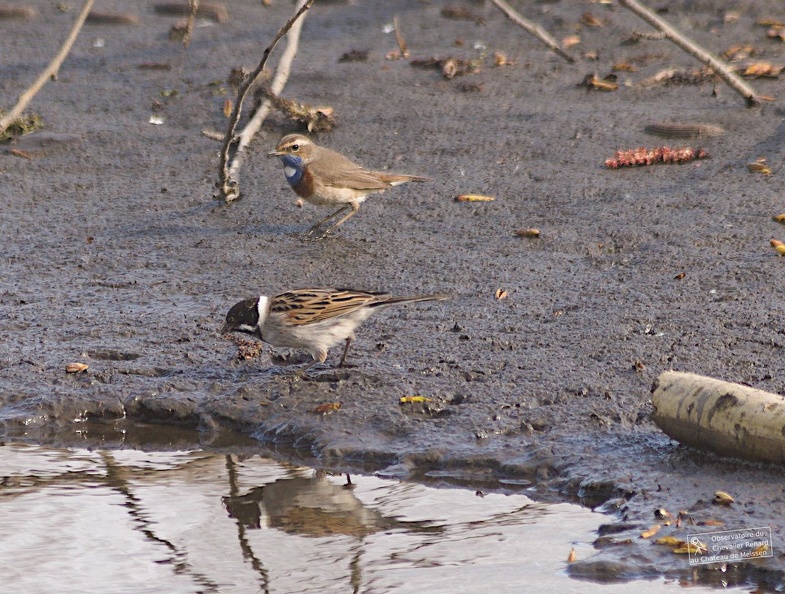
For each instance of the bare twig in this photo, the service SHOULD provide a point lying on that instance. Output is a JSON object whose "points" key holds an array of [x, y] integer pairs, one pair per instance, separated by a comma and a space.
{"points": [[227, 185], [399, 38], [532, 28], [689, 46], [189, 25], [49, 72]]}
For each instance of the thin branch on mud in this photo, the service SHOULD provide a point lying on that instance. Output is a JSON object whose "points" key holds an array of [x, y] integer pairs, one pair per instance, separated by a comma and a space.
{"points": [[532, 28], [692, 48], [49, 72], [227, 184], [189, 25]]}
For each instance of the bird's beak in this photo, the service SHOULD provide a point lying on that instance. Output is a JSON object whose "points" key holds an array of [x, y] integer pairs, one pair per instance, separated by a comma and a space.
{"points": [[275, 153], [226, 328]]}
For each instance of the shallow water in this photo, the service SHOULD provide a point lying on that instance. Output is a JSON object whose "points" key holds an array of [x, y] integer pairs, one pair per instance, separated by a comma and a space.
{"points": [[76, 520]]}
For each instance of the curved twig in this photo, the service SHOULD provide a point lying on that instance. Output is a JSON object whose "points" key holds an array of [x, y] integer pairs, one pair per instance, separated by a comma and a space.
{"points": [[532, 28], [227, 185], [49, 72], [692, 48]]}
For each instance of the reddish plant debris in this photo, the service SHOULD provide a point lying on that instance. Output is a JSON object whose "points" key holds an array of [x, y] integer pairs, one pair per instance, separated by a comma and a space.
{"points": [[643, 156]]}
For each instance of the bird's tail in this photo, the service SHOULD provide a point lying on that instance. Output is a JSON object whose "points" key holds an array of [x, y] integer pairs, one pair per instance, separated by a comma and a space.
{"points": [[389, 300], [395, 179]]}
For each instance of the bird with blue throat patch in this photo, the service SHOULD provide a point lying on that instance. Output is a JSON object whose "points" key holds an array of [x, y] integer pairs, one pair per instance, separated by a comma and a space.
{"points": [[326, 178]]}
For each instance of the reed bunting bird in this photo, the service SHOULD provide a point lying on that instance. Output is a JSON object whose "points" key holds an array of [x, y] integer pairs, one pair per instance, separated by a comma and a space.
{"points": [[326, 178], [311, 319]]}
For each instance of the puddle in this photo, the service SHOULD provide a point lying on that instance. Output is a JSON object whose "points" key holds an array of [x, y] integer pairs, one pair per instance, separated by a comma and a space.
{"points": [[82, 520]]}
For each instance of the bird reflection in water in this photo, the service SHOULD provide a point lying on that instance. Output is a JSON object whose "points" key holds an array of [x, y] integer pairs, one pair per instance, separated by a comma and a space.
{"points": [[310, 506], [313, 506]]}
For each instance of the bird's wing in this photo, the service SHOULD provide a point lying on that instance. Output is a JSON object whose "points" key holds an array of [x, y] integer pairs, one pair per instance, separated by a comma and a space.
{"points": [[335, 170], [309, 306]]}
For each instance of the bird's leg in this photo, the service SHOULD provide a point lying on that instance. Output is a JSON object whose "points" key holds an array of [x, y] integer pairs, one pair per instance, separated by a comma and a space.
{"points": [[355, 207], [320, 357], [324, 220], [349, 342]]}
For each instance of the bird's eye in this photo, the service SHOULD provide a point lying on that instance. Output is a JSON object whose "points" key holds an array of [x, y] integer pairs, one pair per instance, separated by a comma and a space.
{"points": [[295, 148]]}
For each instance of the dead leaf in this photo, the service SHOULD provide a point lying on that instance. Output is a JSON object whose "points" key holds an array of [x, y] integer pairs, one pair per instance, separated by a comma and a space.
{"points": [[572, 556], [759, 166], [690, 548], [228, 107], [780, 218], [776, 33], [500, 294], [758, 69], [608, 83], [569, 41], [75, 367], [413, 399], [327, 408], [651, 531], [670, 541], [530, 232], [722, 498], [738, 52], [624, 67], [590, 20], [501, 59], [778, 245], [474, 198]]}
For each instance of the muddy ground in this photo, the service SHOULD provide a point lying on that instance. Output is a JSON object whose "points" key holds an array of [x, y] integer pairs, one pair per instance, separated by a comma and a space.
{"points": [[115, 253]]}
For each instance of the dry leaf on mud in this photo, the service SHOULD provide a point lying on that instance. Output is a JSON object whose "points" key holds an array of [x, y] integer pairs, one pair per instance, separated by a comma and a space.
{"points": [[722, 498], [663, 514], [327, 408], [591, 81], [760, 551], [572, 556], [778, 245], [474, 198], [758, 69], [530, 232], [568, 42], [670, 541], [780, 218], [75, 367], [776, 33], [624, 67], [651, 531], [500, 294], [590, 20], [693, 548], [738, 52], [413, 399], [759, 166]]}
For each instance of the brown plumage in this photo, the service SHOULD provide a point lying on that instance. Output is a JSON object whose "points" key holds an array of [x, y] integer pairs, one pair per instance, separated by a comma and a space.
{"points": [[323, 177]]}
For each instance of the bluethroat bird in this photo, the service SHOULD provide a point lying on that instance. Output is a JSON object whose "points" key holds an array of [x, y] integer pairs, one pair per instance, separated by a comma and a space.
{"points": [[324, 178], [311, 319]]}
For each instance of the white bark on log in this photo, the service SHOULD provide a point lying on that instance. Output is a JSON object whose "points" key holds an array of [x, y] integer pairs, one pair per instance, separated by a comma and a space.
{"points": [[725, 418]]}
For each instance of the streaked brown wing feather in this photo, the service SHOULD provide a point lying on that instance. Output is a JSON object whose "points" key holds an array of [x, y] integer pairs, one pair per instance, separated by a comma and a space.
{"points": [[309, 306]]}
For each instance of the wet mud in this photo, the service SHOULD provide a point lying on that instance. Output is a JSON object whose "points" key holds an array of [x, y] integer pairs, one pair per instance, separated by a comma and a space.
{"points": [[115, 254]]}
